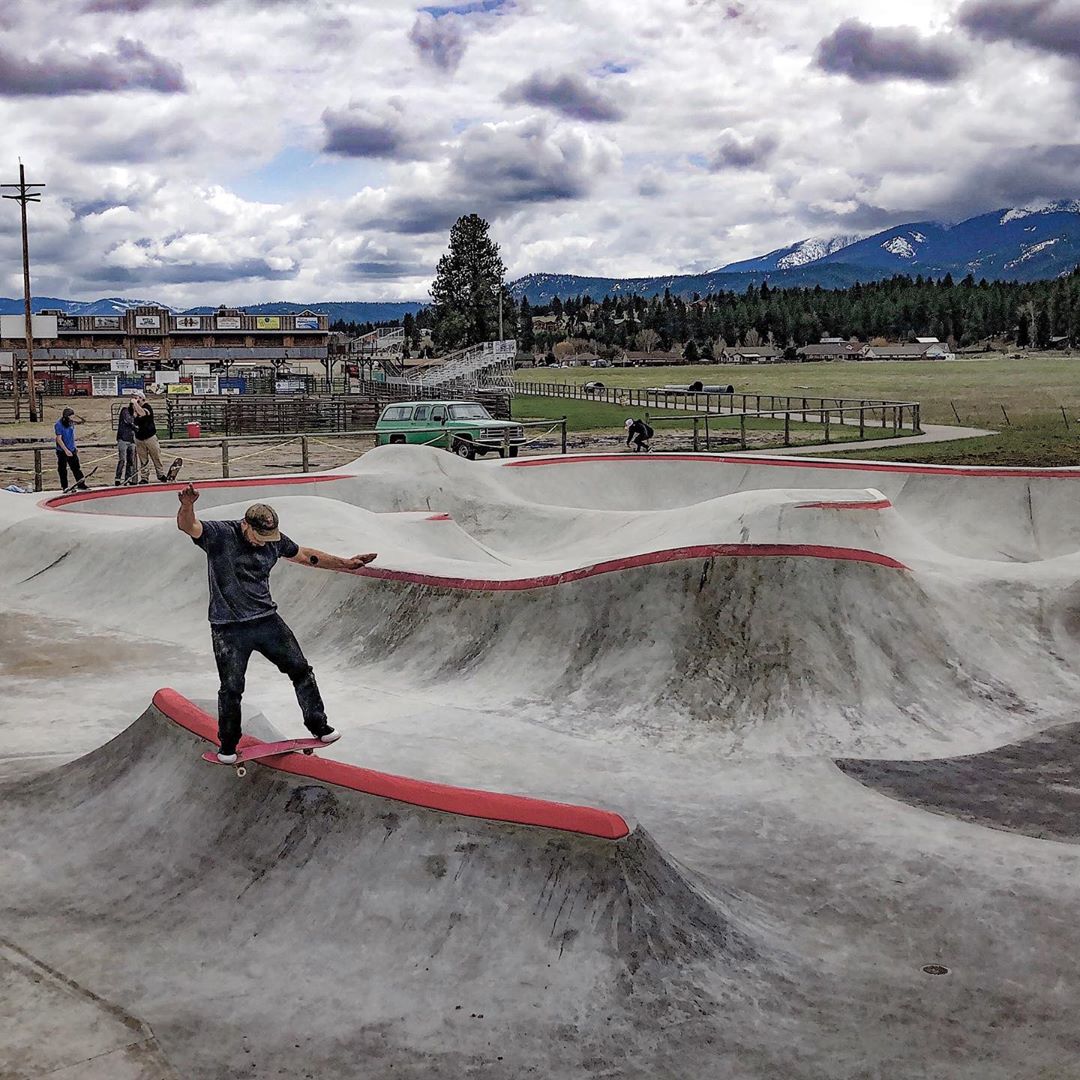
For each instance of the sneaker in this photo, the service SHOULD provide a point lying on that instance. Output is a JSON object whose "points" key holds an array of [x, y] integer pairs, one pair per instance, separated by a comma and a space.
{"points": [[329, 736], [117, 483], [226, 759]]}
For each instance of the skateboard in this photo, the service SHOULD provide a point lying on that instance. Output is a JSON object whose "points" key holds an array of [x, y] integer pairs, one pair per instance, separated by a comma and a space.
{"points": [[174, 468], [265, 750], [86, 476]]}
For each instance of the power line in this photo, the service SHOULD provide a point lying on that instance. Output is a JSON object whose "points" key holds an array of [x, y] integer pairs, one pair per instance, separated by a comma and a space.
{"points": [[25, 193]]}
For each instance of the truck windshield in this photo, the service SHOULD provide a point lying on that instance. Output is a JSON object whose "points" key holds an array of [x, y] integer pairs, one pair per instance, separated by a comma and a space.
{"points": [[469, 412]]}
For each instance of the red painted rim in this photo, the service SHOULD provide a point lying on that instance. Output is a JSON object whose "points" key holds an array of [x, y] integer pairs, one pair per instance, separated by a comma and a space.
{"points": [[649, 558], [971, 471], [58, 502], [468, 802]]}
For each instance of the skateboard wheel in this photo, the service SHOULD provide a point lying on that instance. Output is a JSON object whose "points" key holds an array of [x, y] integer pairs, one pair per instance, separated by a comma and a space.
{"points": [[309, 750], [241, 771]]}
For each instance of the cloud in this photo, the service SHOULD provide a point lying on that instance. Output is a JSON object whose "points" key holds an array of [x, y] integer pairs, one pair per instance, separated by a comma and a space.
{"points": [[363, 132], [1048, 25], [131, 66], [568, 95], [873, 54], [439, 41], [167, 273], [736, 152]]}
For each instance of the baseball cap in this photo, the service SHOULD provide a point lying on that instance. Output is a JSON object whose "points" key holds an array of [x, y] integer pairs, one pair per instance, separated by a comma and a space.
{"points": [[264, 520], [69, 412]]}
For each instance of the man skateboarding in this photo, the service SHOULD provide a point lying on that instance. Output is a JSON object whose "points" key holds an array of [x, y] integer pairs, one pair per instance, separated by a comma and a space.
{"points": [[243, 617], [639, 433]]}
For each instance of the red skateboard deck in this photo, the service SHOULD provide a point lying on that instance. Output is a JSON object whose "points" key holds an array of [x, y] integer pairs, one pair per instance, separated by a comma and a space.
{"points": [[265, 750]]}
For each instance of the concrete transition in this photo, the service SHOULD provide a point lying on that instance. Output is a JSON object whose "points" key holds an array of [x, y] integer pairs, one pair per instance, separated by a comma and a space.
{"points": [[587, 818]]}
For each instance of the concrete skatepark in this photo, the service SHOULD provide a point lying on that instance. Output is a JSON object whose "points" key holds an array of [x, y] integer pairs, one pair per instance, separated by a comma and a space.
{"points": [[663, 765]]}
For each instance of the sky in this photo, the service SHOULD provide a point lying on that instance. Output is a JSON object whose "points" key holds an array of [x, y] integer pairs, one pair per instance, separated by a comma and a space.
{"points": [[237, 151]]}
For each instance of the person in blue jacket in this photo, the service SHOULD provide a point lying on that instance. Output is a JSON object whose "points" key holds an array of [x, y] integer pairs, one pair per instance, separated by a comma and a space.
{"points": [[67, 454]]}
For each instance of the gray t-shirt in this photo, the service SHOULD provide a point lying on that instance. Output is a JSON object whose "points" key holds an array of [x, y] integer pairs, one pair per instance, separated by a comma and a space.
{"points": [[239, 572]]}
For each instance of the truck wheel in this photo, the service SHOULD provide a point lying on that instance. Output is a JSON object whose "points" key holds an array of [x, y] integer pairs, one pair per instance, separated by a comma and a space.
{"points": [[396, 440], [464, 448]]}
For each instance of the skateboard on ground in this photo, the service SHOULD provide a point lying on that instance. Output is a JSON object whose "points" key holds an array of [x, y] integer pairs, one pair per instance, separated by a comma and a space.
{"points": [[265, 750], [174, 468], [85, 476]]}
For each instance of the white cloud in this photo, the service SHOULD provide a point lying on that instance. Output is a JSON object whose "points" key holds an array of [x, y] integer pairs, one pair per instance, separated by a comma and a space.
{"points": [[321, 150]]}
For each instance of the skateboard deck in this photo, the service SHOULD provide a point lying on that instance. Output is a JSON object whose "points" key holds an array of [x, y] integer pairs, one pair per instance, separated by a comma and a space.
{"points": [[86, 476], [265, 750], [174, 468]]}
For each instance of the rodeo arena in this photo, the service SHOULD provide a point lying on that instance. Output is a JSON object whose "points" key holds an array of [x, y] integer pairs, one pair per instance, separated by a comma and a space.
{"points": [[698, 763]]}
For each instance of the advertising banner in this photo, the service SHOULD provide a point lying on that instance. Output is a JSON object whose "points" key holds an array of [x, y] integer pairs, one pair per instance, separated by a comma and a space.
{"points": [[307, 322], [148, 352], [41, 326], [178, 388], [267, 322], [106, 322], [121, 363], [147, 322], [188, 322], [67, 322], [228, 322]]}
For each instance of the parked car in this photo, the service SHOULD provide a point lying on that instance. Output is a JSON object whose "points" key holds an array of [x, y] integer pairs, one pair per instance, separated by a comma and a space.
{"points": [[465, 428], [600, 363]]}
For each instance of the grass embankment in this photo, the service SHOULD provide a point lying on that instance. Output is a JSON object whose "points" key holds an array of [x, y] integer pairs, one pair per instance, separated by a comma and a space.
{"points": [[1031, 431], [600, 417]]}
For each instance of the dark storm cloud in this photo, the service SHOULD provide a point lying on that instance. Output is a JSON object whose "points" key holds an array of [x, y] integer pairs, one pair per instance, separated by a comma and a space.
{"points": [[440, 42], [362, 135], [873, 54], [522, 164], [186, 273], [568, 95], [734, 152], [1049, 25], [389, 268], [131, 66]]}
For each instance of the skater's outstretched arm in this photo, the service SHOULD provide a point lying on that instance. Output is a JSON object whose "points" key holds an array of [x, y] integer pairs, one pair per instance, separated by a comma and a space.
{"points": [[186, 521], [313, 557]]}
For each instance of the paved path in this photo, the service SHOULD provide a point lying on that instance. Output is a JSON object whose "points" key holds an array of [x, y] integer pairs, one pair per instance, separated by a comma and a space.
{"points": [[931, 433]]}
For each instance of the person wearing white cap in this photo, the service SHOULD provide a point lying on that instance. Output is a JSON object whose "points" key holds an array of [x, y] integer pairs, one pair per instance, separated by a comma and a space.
{"points": [[243, 617], [638, 432]]}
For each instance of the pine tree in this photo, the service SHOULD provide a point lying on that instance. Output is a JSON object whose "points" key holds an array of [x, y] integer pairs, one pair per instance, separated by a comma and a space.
{"points": [[465, 292]]}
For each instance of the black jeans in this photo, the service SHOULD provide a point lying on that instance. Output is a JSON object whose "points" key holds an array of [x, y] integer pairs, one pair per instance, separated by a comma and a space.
{"points": [[62, 463], [640, 443], [233, 645]]}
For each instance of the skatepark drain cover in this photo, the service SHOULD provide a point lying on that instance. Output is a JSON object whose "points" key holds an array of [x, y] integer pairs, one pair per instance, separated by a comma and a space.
{"points": [[935, 969]]}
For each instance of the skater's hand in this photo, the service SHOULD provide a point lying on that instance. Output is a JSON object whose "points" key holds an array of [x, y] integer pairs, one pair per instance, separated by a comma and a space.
{"points": [[188, 496], [359, 560]]}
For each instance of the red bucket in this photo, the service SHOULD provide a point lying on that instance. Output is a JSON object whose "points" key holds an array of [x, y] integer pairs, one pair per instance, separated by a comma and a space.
{"points": [[194, 430]]}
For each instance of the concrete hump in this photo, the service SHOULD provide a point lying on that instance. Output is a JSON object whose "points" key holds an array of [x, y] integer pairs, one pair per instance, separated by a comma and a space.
{"points": [[389, 929]]}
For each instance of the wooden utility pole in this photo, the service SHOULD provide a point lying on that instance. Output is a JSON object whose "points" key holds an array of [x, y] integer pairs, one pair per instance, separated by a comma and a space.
{"points": [[26, 193]]}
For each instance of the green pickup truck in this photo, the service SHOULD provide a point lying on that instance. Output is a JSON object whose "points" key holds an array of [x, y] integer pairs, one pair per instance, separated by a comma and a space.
{"points": [[464, 427]]}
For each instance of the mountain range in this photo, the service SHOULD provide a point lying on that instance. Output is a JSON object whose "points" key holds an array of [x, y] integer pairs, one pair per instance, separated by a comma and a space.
{"points": [[358, 311], [1030, 243]]}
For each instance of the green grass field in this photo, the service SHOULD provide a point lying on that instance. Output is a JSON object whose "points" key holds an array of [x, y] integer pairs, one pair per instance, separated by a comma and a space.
{"points": [[1021, 400]]}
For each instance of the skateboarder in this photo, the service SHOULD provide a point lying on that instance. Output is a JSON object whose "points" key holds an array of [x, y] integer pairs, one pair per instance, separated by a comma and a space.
{"points": [[243, 617], [638, 432], [125, 446], [66, 452]]}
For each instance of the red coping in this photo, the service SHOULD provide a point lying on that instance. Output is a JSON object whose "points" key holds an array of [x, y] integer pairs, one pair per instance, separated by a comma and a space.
{"points": [[649, 558], [489, 805], [868, 504], [976, 472], [58, 502]]}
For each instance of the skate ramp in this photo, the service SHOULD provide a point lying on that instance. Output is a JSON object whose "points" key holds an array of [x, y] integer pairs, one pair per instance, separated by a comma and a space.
{"points": [[379, 933]]}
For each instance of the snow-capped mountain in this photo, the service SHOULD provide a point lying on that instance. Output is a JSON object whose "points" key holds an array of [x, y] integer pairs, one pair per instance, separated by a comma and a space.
{"points": [[790, 258]]}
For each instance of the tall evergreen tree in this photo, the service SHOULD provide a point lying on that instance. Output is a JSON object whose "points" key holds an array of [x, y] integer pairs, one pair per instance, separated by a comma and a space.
{"points": [[467, 285]]}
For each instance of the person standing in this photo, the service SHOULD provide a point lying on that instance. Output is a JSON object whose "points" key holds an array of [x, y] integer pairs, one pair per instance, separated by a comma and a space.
{"points": [[67, 455], [243, 617], [146, 440], [125, 446]]}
